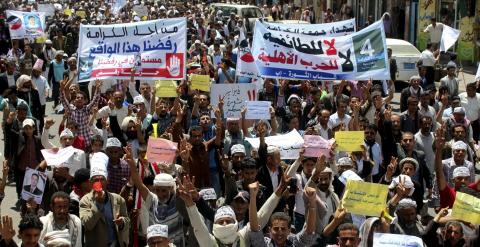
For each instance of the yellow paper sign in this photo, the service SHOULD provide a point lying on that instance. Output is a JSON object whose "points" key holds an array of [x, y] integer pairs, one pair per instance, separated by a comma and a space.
{"points": [[349, 141], [200, 82], [67, 12], [81, 13], [166, 89], [365, 198], [467, 208]]}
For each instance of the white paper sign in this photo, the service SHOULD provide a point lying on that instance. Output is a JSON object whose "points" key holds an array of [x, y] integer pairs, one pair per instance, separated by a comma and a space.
{"points": [[287, 55], [141, 10], [289, 144], [33, 185], [396, 240], [449, 37], [56, 158], [234, 97], [258, 110], [110, 51], [48, 9]]}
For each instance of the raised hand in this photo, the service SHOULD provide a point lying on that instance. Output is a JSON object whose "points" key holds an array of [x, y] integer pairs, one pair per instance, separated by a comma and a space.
{"points": [[340, 213], [98, 85], [6, 227], [183, 193], [392, 167], [311, 195], [49, 122], [442, 213], [253, 188], [221, 102]]}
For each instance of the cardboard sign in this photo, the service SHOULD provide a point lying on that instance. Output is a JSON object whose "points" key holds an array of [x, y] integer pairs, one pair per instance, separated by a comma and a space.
{"points": [[466, 208], [161, 150], [234, 96], [258, 110], [365, 198], [200, 82], [289, 144], [166, 89], [316, 146], [350, 141]]}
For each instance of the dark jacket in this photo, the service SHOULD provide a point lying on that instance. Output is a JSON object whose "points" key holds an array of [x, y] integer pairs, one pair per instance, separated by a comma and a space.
{"points": [[18, 147], [404, 98], [32, 98], [4, 81]]}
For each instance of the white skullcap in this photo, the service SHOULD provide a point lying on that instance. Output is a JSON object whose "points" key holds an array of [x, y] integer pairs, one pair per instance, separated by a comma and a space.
{"points": [[57, 238], [28, 122], [459, 110], [461, 171], [113, 142], [138, 100], [406, 203], [272, 149], [48, 42], [66, 133], [345, 161], [157, 230], [237, 148], [164, 180], [224, 212], [208, 194], [98, 165], [407, 182], [22, 80], [459, 145]]}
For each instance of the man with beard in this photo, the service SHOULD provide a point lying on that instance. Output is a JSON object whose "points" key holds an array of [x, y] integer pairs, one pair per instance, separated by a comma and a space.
{"points": [[41, 84], [117, 167], [27, 92], [249, 175], [233, 135], [197, 158], [162, 206], [27, 60], [59, 219], [459, 133], [407, 222], [9, 78], [47, 55], [116, 111], [406, 149]]}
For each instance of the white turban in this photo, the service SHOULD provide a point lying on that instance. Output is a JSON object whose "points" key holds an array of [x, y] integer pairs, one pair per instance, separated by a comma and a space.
{"points": [[157, 230], [406, 203], [164, 180], [66, 133], [459, 145], [237, 148], [461, 171], [345, 161], [224, 212], [272, 149]]}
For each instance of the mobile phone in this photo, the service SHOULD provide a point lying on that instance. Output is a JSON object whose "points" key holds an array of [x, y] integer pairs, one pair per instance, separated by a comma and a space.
{"points": [[293, 186]]}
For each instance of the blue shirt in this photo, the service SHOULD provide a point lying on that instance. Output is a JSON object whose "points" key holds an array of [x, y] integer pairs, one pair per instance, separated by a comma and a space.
{"points": [[107, 211]]}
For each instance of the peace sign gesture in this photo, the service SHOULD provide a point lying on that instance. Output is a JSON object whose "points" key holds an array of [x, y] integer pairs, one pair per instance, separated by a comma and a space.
{"points": [[391, 168], [221, 101], [402, 191]]}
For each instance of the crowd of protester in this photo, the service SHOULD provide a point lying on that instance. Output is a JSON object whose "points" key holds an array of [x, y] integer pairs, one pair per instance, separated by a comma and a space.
{"points": [[221, 191]]}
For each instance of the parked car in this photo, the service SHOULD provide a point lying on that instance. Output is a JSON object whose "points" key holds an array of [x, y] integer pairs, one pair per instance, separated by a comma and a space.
{"points": [[407, 56], [243, 11]]}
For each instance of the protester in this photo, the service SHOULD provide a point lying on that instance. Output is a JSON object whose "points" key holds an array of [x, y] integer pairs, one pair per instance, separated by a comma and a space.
{"points": [[176, 157]]}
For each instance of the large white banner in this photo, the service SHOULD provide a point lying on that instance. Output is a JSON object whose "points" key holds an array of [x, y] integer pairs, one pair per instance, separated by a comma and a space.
{"points": [[396, 240], [25, 24], [245, 63], [289, 144], [290, 55], [155, 49], [449, 37]]}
